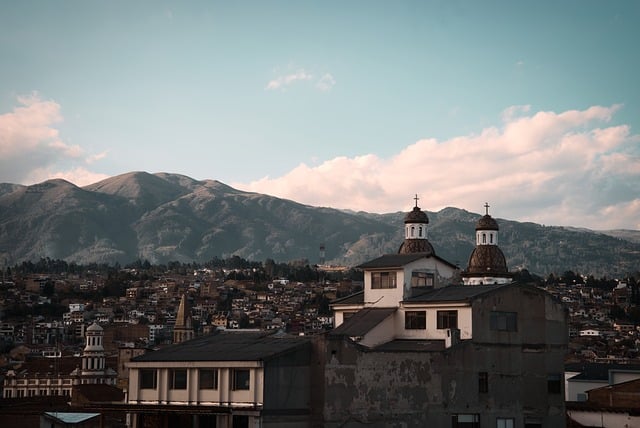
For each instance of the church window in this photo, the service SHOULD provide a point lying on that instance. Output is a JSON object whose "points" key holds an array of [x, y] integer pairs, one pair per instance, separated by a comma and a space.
{"points": [[241, 378], [381, 280], [415, 320], [421, 279], [447, 319], [413, 229], [208, 378], [503, 321], [420, 232], [491, 238], [484, 238], [148, 379], [178, 379]]}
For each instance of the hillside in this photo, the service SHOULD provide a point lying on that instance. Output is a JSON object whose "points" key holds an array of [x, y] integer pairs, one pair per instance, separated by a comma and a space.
{"points": [[164, 217]]}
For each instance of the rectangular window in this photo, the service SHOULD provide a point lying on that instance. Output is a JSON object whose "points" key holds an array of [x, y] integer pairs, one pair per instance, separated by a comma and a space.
{"points": [[148, 379], [554, 384], [421, 279], [505, 423], [504, 321], [465, 421], [241, 378], [415, 320], [483, 382], [178, 379], [447, 319], [380, 280], [208, 378]]}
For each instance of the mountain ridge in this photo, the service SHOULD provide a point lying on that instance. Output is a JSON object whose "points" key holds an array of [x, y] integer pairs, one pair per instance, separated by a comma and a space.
{"points": [[164, 217]]}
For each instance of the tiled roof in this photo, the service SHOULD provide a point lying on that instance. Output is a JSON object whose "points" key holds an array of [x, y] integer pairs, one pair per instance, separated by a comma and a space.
{"points": [[362, 321], [228, 346]]}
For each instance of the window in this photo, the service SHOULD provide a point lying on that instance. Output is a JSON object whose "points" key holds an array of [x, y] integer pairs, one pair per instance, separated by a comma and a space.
{"points": [[484, 238], [208, 378], [447, 319], [554, 385], [383, 280], [505, 423], [415, 320], [483, 382], [504, 321], [421, 279], [465, 421], [241, 379], [178, 379], [148, 379]]}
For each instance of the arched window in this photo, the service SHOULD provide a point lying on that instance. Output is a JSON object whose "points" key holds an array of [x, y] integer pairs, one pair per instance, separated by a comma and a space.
{"points": [[484, 238], [491, 238], [412, 231], [420, 231]]}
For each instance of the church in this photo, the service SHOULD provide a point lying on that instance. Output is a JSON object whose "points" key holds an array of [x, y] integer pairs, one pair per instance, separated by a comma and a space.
{"points": [[423, 344]]}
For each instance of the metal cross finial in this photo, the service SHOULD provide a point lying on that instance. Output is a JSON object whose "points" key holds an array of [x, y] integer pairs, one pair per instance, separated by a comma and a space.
{"points": [[416, 198], [486, 206]]}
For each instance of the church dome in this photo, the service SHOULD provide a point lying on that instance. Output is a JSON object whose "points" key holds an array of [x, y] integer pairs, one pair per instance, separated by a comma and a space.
{"points": [[487, 259], [416, 216], [94, 327], [486, 222], [411, 246]]}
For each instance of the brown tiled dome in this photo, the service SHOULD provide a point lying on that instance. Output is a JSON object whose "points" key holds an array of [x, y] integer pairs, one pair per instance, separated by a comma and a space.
{"points": [[416, 216], [487, 222], [487, 259], [410, 246]]}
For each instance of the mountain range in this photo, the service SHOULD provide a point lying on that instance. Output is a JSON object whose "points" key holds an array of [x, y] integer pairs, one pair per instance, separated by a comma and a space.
{"points": [[169, 217]]}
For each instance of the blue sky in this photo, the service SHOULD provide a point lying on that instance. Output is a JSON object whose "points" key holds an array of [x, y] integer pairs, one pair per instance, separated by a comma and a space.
{"points": [[532, 106]]}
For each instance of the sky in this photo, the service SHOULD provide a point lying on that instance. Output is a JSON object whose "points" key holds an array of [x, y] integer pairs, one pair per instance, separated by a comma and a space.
{"points": [[531, 106]]}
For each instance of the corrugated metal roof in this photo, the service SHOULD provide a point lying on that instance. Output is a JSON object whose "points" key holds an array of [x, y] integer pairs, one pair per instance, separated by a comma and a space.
{"points": [[362, 321], [228, 346]]}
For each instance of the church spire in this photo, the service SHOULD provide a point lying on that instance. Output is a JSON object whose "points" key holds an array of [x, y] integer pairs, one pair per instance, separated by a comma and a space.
{"points": [[183, 328], [415, 232]]}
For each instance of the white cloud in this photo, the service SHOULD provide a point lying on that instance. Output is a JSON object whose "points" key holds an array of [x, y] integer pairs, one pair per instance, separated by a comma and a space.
{"points": [[31, 147], [326, 82], [282, 82], [552, 168]]}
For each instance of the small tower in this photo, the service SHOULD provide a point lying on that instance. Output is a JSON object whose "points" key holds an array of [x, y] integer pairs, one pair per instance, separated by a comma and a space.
{"points": [[93, 357], [415, 232], [487, 264], [183, 328]]}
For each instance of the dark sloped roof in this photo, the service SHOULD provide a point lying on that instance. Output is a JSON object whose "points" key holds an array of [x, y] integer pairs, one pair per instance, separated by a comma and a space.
{"points": [[598, 371], [399, 260], [362, 321], [486, 222], [404, 345], [228, 346], [487, 260], [454, 293], [416, 215], [352, 299]]}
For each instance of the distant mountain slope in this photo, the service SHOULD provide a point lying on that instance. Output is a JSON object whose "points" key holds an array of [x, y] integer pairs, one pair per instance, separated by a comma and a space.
{"points": [[163, 217]]}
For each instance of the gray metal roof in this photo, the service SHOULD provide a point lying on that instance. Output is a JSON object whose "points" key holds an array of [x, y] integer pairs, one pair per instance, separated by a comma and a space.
{"points": [[352, 299], [362, 321], [228, 346], [454, 293], [400, 260], [405, 345]]}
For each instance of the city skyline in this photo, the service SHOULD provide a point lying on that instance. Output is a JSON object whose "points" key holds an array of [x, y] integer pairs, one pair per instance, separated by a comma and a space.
{"points": [[533, 107]]}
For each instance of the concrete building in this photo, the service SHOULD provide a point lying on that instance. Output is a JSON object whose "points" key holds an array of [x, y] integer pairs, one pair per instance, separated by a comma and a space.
{"points": [[225, 379], [416, 348]]}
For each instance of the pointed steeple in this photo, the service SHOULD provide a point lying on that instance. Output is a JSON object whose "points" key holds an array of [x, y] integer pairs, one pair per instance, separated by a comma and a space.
{"points": [[183, 328]]}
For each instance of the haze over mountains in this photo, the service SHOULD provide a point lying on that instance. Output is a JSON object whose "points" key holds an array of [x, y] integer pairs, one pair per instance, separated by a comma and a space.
{"points": [[169, 217]]}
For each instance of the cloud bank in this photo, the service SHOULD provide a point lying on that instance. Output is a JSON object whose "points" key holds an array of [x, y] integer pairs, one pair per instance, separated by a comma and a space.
{"points": [[570, 168], [31, 149]]}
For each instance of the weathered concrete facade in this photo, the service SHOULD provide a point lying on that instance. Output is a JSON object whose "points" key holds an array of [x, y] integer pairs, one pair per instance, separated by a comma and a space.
{"points": [[495, 374]]}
